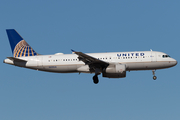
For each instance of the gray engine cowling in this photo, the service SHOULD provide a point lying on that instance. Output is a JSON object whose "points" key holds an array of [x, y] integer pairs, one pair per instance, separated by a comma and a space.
{"points": [[115, 71]]}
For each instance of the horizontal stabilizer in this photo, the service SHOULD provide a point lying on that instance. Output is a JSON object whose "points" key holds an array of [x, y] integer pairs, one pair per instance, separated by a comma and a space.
{"points": [[16, 59]]}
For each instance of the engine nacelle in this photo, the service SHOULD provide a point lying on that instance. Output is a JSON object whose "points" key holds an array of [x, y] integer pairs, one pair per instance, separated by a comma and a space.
{"points": [[115, 71]]}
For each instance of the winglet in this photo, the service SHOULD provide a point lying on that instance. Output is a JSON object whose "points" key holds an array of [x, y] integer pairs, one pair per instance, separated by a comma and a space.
{"points": [[73, 50]]}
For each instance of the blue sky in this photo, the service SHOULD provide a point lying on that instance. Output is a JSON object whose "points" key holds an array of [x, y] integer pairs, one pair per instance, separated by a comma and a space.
{"points": [[90, 26]]}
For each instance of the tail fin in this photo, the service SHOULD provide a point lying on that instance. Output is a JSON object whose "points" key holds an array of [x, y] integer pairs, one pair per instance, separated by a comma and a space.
{"points": [[20, 48]]}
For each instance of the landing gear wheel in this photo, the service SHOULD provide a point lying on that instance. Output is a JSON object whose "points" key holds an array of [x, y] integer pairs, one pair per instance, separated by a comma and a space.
{"points": [[154, 77], [95, 79]]}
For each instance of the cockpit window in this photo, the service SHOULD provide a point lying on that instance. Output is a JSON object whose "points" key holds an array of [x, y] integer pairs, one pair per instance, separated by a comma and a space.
{"points": [[165, 56]]}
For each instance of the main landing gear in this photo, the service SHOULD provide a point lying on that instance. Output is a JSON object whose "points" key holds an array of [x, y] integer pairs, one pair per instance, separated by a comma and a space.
{"points": [[95, 77], [154, 77]]}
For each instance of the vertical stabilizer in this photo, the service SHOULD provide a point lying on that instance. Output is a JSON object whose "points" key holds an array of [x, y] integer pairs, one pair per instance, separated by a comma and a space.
{"points": [[19, 47]]}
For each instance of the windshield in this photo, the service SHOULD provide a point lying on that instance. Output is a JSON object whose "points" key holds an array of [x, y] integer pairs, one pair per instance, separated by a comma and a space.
{"points": [[165, 56]]}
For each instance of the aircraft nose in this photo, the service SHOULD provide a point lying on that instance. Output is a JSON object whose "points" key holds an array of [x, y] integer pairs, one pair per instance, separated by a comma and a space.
{"points": [[174, 62]]}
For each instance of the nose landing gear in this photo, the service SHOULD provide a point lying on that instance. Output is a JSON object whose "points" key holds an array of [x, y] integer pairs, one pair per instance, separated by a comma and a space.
{"points": [[154, 77]]}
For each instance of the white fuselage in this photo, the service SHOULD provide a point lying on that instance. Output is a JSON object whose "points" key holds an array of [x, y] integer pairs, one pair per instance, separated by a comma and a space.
{"points": [[68, 63]]}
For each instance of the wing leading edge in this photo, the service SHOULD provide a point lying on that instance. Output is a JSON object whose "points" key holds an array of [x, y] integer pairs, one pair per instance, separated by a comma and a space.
{"points": [[91, 61]]}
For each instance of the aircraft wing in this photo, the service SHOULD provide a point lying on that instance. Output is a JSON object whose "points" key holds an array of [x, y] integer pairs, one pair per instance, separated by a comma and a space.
{"points": [[91, 61]]}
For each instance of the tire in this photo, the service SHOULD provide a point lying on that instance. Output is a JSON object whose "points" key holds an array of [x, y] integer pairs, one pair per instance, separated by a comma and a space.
{"points": [[95, 79], [154, 77]]}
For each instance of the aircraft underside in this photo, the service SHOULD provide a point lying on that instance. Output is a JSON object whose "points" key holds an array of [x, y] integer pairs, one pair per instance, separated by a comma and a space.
{"points": [[106, 72]]}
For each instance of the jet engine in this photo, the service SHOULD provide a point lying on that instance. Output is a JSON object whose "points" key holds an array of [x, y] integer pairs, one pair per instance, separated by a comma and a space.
{"points": [[115, 71]]}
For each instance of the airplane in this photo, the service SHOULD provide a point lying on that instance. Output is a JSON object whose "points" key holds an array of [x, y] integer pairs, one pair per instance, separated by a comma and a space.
{"points": [[110, 64]]}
